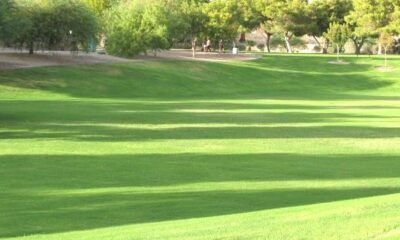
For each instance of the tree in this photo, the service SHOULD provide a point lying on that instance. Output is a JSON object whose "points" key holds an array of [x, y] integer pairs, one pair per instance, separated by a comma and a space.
{"points": [[136, 27], [325, 12], [12, 21], [194, 22], [157, 26], [386, 40], [338, 34], [223, 19], [394, 23], [368, 18], [53, 24], [101, 6], [5, 7], [257, 15], [291, 17]]}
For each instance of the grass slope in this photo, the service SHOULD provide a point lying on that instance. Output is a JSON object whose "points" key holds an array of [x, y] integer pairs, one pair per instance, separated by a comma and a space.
{"points": [[285, 147]]}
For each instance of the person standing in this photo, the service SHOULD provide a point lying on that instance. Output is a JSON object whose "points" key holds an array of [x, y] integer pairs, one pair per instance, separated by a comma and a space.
{"points": [[221, 46], [194, 47], [208, 45]]}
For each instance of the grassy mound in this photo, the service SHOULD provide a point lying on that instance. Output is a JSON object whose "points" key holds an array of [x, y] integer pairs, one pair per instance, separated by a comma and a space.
{"points": [[285, 147]]}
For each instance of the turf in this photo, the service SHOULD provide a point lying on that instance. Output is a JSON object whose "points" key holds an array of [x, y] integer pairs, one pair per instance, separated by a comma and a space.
{"points": [[284, 147]]}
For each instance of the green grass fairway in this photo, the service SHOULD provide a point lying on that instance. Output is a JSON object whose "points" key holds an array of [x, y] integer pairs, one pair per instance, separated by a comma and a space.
{"points": [[284, 147]]}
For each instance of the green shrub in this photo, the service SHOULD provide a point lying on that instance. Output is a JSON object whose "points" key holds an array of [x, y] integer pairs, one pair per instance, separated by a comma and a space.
{"points": [[136, 27], [50, 24]]}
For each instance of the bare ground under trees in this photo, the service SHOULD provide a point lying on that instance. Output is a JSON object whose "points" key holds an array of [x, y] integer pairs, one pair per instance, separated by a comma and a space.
{"points": [[14, 59]]}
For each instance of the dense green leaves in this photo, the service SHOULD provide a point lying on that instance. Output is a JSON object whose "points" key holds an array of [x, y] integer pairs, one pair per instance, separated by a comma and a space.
{"points": [[338, 34], [223, 19], [100, 6], [369, 18], [133, 26], [11, 21], [49, 24], [136, 27]]}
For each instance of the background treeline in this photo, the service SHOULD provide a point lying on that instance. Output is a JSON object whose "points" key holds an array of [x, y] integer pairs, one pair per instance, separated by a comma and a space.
{"points": [[47, 24], [130, 27]]}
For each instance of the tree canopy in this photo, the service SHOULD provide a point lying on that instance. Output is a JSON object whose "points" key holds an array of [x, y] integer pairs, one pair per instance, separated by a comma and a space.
{"points": [[134, 26], [49, 24], [338, 34]]}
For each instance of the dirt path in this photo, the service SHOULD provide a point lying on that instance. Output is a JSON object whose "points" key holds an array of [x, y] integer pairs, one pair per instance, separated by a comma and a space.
{"points": [[203, 56], [13, 59]]}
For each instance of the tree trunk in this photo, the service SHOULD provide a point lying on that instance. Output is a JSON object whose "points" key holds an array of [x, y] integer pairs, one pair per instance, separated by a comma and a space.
{"points": [[268, 36], [287, 41], [194, 48], [385, 57], [325, 47], [318, 43], [358, 44], [242, 37], [337, 52], [380, 49], [358, 50], [31, 48]]}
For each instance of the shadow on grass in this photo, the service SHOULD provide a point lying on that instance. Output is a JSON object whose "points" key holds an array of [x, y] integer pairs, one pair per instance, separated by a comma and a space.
{"points": [[102, 121], [121, 134], [38, 198], [28, 206]]}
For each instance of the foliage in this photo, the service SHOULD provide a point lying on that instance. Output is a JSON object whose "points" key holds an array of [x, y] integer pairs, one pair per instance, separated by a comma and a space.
{"points": [[253, 14], [386, 40], [260, 14], [44, 23], [101, 6], [278, 40], [4, 11], [223, 19], [136, 27], [190, 21], [292, 18], [185, 19], [394, 23], [325, 12], [369, 18], [12, 21], [53, 24], [261, 47], [338, 34]]}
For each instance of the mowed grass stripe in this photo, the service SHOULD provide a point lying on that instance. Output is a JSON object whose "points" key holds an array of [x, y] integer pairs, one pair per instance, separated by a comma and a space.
{"points": [[285, 147]]}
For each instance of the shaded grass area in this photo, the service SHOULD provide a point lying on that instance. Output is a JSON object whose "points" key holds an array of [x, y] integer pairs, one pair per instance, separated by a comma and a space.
{"points": [[116, 190], [190, 150], [273, 76]]}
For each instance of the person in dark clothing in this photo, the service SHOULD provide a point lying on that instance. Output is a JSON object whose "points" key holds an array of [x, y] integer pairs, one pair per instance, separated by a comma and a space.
{"points": [[221, 46]]}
